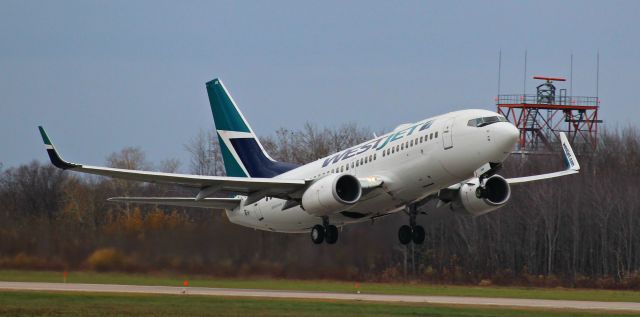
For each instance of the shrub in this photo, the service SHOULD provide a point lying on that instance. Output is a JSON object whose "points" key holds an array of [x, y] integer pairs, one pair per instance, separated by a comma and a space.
{"points": [[105, 259], [485, 282], [25, 261]]}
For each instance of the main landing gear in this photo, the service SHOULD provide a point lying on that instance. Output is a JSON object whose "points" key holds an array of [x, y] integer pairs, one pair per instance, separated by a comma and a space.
{"points": [[412, 232], [326, 232]]}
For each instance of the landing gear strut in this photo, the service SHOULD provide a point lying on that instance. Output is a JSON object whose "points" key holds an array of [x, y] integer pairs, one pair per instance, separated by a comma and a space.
{"points": [[326, 232], [412, 232]]}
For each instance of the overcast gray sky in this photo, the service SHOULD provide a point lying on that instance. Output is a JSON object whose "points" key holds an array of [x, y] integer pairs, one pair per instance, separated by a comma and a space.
{"points": [[102, 75]]}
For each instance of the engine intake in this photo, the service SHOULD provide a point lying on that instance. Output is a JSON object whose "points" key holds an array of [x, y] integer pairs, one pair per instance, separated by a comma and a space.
{"points": [[478, 200], [331, 194]]}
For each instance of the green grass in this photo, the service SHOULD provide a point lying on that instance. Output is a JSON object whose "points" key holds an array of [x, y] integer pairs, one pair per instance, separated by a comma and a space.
{"points": [[91, 304], [323, 285]]}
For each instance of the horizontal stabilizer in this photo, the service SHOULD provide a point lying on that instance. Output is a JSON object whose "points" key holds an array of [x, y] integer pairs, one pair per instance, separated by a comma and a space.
{"points": [[218, 203]]}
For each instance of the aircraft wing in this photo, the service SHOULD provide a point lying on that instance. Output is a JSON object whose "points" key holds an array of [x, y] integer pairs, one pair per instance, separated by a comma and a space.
{"points": [[207, 184], [221, 203], [570, 162]]}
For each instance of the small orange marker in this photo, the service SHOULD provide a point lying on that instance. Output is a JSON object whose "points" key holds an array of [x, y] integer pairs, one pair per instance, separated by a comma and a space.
{"points": [[185, 283], [358, 287], [65, 274]]}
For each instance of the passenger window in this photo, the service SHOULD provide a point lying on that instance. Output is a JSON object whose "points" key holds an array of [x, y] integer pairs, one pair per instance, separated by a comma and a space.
{"points": [[374, 156], [357, 163], [411, 143], [341, 169], [421, 139], [436, 134], [365, 160], [402, 146], [370, 158], [347, 167], [393, 150], [431, 136], [397, 148], [351, 164], [383, 153]]}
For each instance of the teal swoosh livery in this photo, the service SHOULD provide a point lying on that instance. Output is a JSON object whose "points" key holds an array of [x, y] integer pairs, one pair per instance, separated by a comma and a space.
{"points": [[226, 114]]}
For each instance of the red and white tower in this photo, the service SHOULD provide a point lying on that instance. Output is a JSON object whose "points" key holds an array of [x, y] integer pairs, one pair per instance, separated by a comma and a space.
{"points": [[541, 117]]}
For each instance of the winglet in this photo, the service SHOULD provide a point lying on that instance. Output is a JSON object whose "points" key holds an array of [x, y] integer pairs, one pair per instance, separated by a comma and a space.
{"points": [[55, 158], [570, 159], [570, 162]]}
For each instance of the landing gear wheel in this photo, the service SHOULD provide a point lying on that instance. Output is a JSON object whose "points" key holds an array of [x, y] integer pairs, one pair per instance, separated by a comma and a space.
{"points": [[331, 235], [404, 234], [418, 235], [317, 234]]}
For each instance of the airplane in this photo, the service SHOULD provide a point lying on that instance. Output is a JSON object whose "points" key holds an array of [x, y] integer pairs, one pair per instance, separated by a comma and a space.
{"points": [[452, 159]]}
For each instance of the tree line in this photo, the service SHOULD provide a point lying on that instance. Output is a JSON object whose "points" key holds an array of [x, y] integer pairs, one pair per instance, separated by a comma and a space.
{"points": [[576, 231]]}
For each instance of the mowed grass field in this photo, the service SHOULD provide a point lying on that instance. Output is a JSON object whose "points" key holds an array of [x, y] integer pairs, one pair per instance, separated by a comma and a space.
{"points": [[321, 285], [105, 304]]}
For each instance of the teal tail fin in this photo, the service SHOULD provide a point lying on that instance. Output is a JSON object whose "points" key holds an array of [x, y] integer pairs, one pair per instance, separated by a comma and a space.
{"points": [[242, 152]]}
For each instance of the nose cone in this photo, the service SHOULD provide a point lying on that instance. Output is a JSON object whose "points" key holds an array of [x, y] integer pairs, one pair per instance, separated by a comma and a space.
{"points": [[504, 135]]}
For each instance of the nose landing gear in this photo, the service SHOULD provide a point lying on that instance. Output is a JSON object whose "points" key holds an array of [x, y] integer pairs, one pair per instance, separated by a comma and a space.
{"points": [[326, 232], [412, 232]]}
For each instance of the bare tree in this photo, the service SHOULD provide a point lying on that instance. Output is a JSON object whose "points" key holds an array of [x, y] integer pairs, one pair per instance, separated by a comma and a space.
{"points": [[206, 158], [312, 143], [170, 166]]}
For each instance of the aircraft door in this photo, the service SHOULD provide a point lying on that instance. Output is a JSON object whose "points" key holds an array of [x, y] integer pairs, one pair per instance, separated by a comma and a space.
{"points": [[447, 135]]}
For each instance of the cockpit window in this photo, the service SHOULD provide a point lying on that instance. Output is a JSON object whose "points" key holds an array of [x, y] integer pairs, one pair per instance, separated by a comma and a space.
{"points": [[425, 126], [481, 122]]}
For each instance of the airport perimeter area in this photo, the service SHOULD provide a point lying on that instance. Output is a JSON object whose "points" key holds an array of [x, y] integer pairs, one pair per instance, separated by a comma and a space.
{"points": [[159, 295]]}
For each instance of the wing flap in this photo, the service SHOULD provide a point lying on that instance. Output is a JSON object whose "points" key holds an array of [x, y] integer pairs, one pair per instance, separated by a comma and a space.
{"points": [[219, 203], [234, 184]]}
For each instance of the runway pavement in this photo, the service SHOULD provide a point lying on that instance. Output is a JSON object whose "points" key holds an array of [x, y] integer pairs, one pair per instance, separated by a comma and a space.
{"points": [[450, 300]]}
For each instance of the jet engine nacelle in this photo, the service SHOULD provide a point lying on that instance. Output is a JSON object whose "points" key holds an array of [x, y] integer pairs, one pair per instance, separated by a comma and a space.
{"points": [[478, 200], [331, 194]]}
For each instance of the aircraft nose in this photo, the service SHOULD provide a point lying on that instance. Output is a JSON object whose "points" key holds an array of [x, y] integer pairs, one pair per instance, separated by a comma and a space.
{"points": [[506, 135], [513, 132]]}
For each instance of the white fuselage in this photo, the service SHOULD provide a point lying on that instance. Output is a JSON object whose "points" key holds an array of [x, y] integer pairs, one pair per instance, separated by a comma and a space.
{"points": [[412, 163]]}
